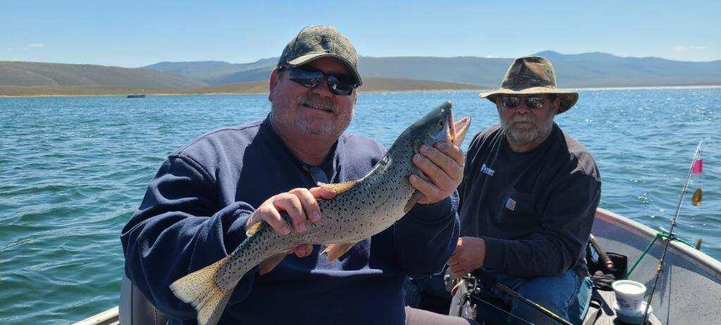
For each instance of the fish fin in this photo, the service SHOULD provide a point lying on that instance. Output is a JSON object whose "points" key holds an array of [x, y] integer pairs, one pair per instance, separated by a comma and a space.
{"points": [[461, 128], [200, 290], [334, 251], [270, 263], [338, 188], [412, 202], [254, 228]]}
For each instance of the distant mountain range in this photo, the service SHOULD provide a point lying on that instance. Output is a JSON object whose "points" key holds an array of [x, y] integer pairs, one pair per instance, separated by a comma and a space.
{"points": [[572, 70], [34, 74]]}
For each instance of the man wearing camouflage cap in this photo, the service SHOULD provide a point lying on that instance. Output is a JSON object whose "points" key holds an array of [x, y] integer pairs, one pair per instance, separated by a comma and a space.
{"points": [[205, 195], [528, 199]]}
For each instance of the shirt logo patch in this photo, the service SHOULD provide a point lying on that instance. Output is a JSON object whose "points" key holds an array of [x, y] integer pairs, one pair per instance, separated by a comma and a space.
{"points": [[511, 204], [487, 170]]}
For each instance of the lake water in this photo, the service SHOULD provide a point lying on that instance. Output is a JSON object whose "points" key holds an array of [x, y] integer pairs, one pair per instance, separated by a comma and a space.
{"points": [[72, 171]]}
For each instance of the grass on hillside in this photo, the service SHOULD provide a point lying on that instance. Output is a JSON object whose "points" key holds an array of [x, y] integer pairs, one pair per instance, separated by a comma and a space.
{"points": [[370, 84]]}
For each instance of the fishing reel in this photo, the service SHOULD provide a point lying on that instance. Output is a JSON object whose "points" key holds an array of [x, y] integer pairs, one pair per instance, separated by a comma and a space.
{"points": [[462, 291]]}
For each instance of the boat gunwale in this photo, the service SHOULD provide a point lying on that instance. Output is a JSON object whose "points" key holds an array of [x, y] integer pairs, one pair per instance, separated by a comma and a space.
{"points": [[690, 254]]}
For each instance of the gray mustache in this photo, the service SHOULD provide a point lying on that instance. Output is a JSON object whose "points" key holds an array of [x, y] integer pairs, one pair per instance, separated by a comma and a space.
{"points": [[522, 118], [318, 102]]}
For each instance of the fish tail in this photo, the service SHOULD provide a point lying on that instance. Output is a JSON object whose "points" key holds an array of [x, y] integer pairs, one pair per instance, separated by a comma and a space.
{"points": [[200, 290]]}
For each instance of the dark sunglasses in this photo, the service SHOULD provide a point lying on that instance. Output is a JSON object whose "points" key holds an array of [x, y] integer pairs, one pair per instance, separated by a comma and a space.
{"points": [[310, 78], [532, 102]]}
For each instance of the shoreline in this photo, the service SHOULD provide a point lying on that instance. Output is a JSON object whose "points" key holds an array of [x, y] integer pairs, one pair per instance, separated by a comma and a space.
{"points": [[370, 91]]}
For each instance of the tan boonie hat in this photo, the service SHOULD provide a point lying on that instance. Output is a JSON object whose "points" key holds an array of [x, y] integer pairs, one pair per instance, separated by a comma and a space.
{"points": [[529, 76], [315, 42]]}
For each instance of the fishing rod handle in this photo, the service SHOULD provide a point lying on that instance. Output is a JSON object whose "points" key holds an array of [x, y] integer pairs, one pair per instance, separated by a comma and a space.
{"points": [[607, 262]]}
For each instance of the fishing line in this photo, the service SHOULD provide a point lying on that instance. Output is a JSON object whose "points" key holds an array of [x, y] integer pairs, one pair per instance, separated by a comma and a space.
{"points": [[501, 309]]}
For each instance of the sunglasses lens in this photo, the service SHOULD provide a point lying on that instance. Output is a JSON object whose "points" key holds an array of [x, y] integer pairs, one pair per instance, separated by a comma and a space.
{"points": [[339, 86], [308, 79], [510, 101], [535, 102]]}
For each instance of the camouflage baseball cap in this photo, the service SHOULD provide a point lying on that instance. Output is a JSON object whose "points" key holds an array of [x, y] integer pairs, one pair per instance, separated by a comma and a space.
{"points": [[315, 42], [530, 76]]}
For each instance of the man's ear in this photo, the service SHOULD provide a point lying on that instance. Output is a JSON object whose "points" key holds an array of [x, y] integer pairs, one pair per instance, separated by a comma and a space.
{"points": [[272, 83], [556, 105]]}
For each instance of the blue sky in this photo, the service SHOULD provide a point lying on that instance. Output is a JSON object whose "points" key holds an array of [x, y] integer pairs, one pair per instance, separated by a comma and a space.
{"points": [[133, 34]]}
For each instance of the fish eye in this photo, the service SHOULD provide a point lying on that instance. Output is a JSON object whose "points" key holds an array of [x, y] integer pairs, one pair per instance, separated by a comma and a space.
{"points": [[440, 123]]}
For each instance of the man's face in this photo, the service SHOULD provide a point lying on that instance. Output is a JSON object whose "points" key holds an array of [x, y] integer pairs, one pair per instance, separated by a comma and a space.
{"points": [[524, 124], [311, 112]]}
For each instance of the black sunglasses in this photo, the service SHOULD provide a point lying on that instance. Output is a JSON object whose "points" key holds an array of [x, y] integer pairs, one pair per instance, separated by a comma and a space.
{"points": [[532, 102], [310, 78]]}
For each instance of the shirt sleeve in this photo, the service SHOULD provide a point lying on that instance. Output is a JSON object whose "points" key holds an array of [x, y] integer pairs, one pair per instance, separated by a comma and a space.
{"points": [[426, 237], [178, 229], [565, 226]]}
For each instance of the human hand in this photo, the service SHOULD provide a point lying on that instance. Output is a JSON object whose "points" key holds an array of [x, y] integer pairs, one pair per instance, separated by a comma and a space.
{"points": [[301, 206], [443, 165], [469, 256]]}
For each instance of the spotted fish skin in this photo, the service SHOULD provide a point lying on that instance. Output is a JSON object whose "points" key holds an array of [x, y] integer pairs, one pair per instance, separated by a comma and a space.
{"points": [[360, 210]]}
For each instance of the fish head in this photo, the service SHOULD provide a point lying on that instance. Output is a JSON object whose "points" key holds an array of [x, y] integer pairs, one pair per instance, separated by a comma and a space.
{"points": [[435, 126]]}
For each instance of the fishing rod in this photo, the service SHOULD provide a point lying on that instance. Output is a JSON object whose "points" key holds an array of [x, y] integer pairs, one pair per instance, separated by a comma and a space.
{"points": [[491, 281], [696, 168]]}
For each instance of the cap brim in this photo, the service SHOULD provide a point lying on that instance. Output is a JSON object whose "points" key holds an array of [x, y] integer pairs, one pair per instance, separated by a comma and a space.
{"points": [[568, 98], [301, 60]]}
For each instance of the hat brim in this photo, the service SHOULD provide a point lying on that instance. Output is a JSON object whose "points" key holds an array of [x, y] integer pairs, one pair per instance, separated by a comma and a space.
{"points": [[567, 98], [301, 60]]}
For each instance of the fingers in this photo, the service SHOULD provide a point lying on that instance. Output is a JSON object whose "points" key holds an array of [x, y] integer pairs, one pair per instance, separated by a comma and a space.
{"points": [[290, 203], [300, 205], [442, 164], [448, 157], [429, 190], [310, 205], [270, 215], [323, 192]]}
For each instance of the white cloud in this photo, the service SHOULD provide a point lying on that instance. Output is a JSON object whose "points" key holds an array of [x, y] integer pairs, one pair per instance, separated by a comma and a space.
{"points": [[490, 57], [35, 45], [682, 48]]}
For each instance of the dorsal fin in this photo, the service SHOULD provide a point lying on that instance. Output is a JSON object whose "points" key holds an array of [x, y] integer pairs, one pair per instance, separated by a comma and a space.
{"points": [[254, 228], [338, 188]]}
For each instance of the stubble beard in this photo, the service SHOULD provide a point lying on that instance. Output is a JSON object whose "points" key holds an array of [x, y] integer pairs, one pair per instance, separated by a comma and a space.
{"points": [[309, 127], [525, 136]]}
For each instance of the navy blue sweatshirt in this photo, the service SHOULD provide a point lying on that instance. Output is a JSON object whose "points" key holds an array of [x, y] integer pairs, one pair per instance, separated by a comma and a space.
{"points": [[534, 209], [194, 213]]}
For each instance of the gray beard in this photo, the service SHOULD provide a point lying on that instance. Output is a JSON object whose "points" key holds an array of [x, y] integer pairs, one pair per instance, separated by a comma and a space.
{"points": [[307, 129], [526, 136]]}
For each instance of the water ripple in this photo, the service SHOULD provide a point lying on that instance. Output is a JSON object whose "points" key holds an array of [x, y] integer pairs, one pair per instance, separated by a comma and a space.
{"points": [[73, 170]]}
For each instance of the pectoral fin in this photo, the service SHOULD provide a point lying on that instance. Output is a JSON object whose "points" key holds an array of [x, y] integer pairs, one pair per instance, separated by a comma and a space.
{"points": [[338, 188], [334, 251], [273, 261], [461, 128], [412, 202]]}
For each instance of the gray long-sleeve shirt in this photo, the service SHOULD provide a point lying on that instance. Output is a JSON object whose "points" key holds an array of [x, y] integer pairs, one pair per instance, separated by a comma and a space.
{"points": [[534, 209]]}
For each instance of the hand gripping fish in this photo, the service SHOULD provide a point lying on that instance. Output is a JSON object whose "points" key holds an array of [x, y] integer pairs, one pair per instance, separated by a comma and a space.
{"points": [[359, 210]]}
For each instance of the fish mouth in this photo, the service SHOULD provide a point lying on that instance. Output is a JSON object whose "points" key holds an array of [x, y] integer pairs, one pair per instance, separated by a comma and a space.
{"points": [[458, 130], [450, 128]]}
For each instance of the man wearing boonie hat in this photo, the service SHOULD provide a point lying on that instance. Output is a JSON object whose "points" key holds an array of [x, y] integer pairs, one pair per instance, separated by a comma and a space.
{"points": [[528, 198], [198, 206]]}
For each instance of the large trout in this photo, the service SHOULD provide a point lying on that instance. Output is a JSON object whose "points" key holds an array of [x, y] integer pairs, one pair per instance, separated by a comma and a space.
{"points": [[360, 210]]}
